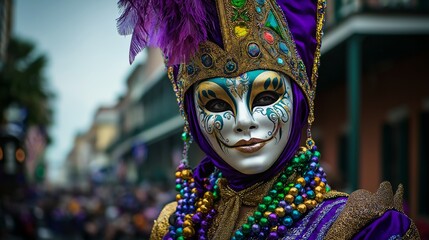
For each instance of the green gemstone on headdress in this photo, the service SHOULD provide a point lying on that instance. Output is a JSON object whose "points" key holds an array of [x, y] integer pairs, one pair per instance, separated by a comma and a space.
{"points": [[238, 3], [243, 15], [273, 24]]}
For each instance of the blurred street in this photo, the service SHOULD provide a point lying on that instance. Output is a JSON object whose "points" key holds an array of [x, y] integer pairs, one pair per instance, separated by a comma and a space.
{"points": [[103, 212], [89, 145]]}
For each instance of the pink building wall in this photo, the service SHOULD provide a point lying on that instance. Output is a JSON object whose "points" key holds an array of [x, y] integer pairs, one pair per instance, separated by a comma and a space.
{"points": [[401, 84]]}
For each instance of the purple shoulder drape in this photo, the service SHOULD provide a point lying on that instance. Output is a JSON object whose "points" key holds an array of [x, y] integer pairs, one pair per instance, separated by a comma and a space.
{"points": [[391, 225]]}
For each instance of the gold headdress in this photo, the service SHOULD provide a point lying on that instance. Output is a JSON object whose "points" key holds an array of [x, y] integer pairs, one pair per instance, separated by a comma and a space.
{"points": [[255, 35]]}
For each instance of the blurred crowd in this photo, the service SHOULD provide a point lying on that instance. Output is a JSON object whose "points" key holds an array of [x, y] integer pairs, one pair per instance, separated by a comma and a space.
{"points": [[102, 212]]}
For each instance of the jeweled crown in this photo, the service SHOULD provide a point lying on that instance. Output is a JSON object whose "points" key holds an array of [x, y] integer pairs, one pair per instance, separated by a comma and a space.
{"points": [[255, 35]]}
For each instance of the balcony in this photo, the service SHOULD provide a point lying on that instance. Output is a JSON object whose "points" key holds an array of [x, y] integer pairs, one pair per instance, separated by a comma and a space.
{"points": [[339, 10]]}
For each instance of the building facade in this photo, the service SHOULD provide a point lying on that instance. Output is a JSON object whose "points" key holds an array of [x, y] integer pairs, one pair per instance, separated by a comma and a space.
{"points": [[5, 26], [149, 146], [88, 163], [373, 94]]}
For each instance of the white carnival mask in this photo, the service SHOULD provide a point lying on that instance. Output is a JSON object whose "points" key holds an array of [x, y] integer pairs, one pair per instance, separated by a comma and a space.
{"points": [[246, 119]]}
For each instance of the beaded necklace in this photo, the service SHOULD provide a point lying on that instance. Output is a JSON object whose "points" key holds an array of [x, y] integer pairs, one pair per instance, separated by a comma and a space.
{"points": [[284, 204]]}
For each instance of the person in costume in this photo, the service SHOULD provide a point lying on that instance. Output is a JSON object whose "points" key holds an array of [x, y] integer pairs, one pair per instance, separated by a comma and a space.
{"points": [[244, 73]]}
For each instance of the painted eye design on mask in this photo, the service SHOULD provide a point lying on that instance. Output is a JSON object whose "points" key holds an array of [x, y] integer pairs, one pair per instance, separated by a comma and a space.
{"points": [[265, 98], [217, 105]]}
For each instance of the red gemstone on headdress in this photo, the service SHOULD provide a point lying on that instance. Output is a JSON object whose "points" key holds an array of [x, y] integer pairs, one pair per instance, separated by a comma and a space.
{"points": [[269, 37]]}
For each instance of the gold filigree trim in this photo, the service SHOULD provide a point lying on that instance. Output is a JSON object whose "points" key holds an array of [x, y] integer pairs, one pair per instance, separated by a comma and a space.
{"points": [[398, 199], [321, 9], [361, 208], [412, 233], [334, 194], [160, 226]]}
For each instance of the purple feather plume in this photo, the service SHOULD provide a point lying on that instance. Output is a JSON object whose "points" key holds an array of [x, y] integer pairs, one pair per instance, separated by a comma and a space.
{"points": [[175, 26]]}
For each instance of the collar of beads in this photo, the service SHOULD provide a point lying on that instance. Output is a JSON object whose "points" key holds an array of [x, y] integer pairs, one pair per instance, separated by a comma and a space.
{"points": [[283, 205]]}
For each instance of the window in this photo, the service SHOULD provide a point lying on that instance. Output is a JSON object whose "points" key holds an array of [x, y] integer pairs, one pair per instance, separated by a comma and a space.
{"points": [[395, 152], [424, 163], [343, 159]]}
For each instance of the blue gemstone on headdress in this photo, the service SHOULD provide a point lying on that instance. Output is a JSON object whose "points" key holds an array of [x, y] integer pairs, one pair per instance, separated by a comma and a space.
{"points": [[280, 61], [260, 2], [230, 66], [253, 50], [284, 48], [190, 69], [258, 10], [207, 60]]}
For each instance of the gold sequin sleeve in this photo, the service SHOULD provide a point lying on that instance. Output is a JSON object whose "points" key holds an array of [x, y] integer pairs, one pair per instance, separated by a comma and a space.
{"points": [[160, 226], [363, 207]]}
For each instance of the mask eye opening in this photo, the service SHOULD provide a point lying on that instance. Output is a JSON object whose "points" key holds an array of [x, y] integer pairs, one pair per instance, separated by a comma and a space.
{"points": [[265, 98], [217, 105]]}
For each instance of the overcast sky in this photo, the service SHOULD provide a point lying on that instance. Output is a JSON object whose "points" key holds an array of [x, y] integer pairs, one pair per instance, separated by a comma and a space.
{"points": [[88, 61]]}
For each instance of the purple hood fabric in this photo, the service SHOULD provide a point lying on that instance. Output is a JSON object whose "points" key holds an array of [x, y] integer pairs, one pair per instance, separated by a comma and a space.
{"points": [[301, 19]]}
